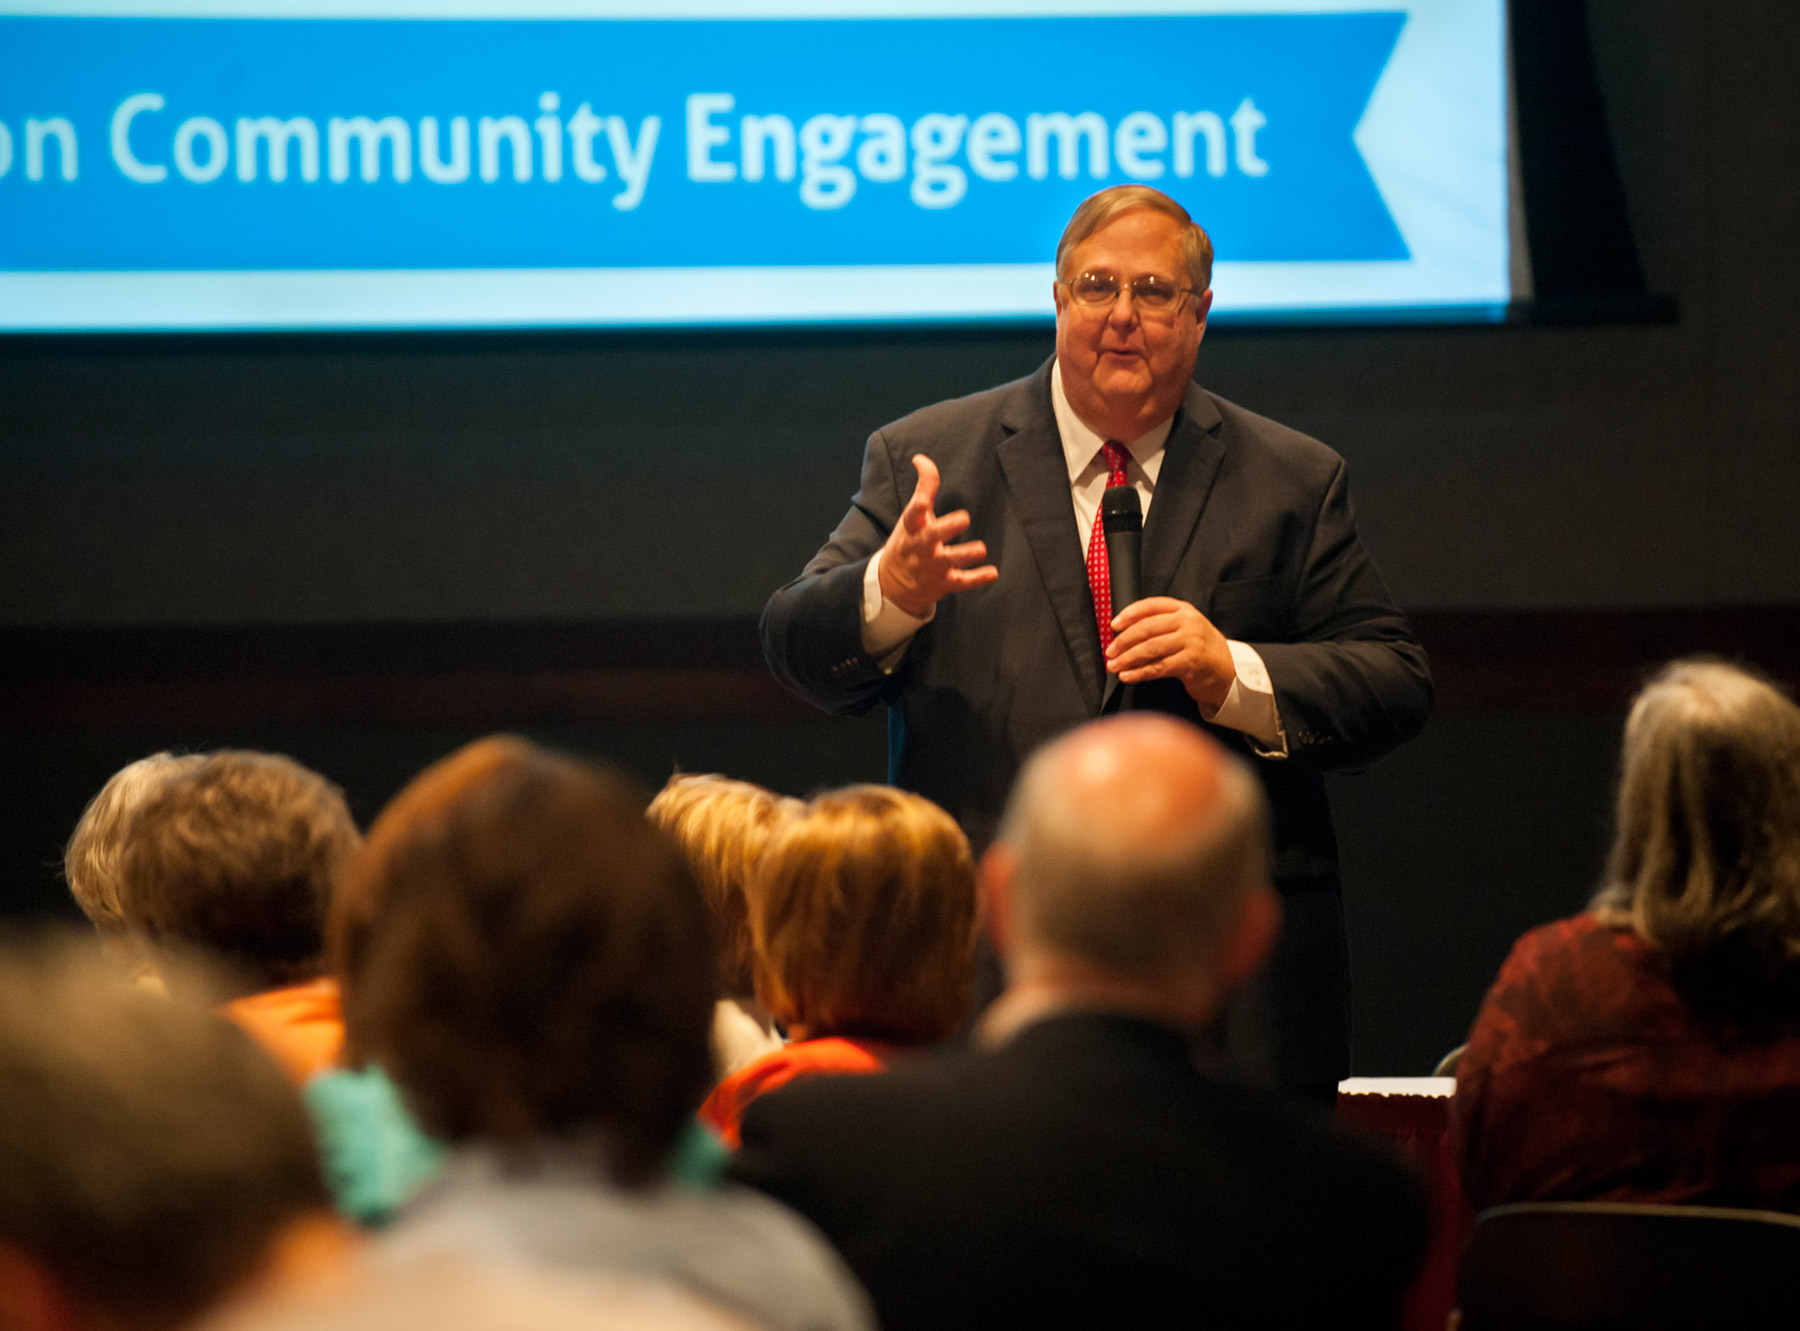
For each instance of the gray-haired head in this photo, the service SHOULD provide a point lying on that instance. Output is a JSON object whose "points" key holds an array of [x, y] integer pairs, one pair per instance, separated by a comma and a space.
{"points": [[1136, 841], [1705, 863]]}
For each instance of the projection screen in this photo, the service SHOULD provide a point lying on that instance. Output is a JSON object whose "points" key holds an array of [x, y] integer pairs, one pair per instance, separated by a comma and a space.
{"points": [[461, 164]]}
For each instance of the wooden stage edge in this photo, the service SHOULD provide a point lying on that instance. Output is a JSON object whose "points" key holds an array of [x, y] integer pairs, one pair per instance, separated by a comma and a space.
{"points": [[501, 673]]}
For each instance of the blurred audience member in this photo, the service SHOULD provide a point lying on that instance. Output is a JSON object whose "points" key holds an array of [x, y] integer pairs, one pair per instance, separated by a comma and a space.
{"points": [[91, 861], [153, 1161], [237, 857], [1649, 1049], [724, 826], [376, 1155], [862, 916], [453, 1295], [534, 966], [1079, 1170]]}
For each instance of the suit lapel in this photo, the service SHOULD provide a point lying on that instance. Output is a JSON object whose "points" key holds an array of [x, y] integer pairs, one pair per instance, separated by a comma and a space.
{"points": [[1191, 461], [1037, 479]]}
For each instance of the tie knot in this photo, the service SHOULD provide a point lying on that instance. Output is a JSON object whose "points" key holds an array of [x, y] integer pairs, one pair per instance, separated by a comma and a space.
{"points": [[1116, 457]]}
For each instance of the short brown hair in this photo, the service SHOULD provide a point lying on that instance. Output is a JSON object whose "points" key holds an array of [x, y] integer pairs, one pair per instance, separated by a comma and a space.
{"points": [[724, 826], [527, 957], [91, 860], [151, 1154], [863, 917], [1705, 862], [1097, 210], [239, 857]]}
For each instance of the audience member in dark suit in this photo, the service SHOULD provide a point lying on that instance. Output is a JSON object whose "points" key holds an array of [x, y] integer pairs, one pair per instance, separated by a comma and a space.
{"points": [[1075, 1167], [968, 608], [1649, 1049]]}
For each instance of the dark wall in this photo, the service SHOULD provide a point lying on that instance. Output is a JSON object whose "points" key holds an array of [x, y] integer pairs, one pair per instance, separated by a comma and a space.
{"points": [[598, 479], [346, 479]]}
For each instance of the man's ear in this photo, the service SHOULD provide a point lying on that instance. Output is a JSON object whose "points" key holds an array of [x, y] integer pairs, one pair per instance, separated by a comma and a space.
{"points": [[1202, 308], [1251, 940], [993, 886]]}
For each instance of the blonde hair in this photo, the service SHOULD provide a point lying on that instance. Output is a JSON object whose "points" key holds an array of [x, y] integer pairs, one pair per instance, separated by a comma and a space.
{"points": [[1705, 864], [862, 914], [1102, 208], [91, 860], [724, 826]]}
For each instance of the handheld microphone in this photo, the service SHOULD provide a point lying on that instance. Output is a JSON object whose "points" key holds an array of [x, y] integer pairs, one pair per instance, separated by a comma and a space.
{"points": [[1122, 518]]}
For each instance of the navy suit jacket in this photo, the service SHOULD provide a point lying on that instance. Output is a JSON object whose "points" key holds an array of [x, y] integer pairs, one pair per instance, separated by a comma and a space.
{"points": [[1086, 1174], [1251, 523]]}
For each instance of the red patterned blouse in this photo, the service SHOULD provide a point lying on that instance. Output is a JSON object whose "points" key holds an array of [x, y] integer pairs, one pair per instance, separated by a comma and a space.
{"points": [[1588, 1077]]}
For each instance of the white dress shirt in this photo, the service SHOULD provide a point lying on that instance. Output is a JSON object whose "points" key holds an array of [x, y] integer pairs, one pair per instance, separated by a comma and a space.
{"points": [[1249, 706]]}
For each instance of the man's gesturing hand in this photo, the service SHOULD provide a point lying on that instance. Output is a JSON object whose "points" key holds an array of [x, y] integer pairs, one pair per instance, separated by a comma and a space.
{"points": [[917, 568], [1162, 638]]}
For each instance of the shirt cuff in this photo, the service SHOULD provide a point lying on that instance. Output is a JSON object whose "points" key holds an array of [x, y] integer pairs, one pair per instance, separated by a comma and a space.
{"points": [[886, 628], [1250, 705]]}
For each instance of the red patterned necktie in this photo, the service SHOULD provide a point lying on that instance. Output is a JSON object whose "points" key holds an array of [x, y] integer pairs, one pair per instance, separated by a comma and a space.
{"points": [[1099, 577]]}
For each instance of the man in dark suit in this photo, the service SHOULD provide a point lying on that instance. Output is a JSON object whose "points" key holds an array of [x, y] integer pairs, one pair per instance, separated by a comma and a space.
{"points": [[1261, 616], [1076, 1168]]}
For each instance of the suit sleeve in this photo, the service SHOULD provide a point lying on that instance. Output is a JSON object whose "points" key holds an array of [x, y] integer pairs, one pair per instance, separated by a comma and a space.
{"points": [[812, 628], [1352, 681]]}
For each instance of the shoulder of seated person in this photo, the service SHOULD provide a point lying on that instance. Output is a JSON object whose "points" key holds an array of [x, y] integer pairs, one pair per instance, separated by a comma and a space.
{"points": [[823, 1100], [1559, 940]]}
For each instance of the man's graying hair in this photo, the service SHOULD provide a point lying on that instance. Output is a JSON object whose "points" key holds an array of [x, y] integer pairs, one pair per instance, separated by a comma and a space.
{"points": [[1098, 210], [1147, 910]]}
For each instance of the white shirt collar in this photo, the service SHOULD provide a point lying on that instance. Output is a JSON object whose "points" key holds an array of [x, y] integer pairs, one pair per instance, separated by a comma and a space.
{"points": [[1081, 445]]}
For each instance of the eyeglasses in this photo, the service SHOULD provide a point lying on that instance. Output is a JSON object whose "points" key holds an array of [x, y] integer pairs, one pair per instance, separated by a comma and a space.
{"points": [[1155, 297]]}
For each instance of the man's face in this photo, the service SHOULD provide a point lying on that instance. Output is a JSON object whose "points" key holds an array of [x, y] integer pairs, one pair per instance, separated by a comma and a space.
{"points": [[1122, 370]]}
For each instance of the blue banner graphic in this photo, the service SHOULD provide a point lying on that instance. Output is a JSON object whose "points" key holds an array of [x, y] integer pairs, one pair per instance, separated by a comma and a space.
{"points": [[217, 145]]}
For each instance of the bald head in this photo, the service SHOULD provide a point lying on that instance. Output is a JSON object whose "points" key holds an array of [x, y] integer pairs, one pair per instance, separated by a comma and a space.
{"points": [[1134, 843]]}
